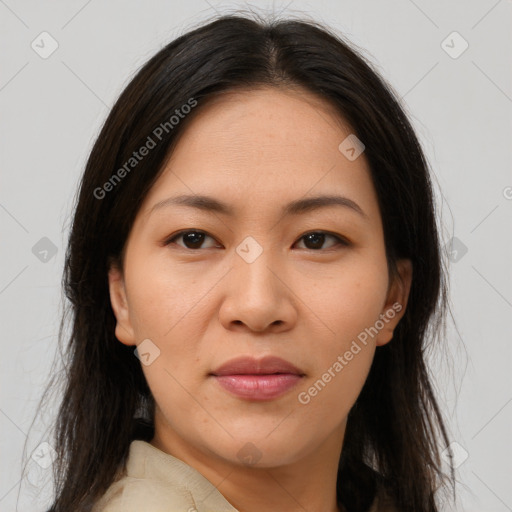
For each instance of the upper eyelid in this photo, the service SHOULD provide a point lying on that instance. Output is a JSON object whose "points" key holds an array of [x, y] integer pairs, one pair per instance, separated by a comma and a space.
{"points": [[341, 239]]}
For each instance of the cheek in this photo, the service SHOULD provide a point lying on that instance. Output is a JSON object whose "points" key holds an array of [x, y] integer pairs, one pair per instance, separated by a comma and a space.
{"points": [[343, 376], [329, 396], [349, 308], [342, 363], [163, 299], [170, 309], [347, 299]]}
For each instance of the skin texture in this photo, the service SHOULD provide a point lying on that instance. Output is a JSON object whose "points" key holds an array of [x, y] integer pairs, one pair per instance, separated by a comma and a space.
{"points": [[305, 302]]}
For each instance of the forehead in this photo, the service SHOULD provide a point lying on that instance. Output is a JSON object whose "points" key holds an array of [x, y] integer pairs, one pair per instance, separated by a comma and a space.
{"points": [[262, 145], [249, 121]]}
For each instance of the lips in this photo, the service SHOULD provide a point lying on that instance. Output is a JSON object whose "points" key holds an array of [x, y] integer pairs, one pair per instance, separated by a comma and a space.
{"points": [[257, 379], [251, 366]]}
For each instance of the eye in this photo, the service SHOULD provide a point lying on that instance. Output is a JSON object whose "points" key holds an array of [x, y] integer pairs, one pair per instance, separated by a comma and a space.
{"points": [[315, 239], [192, 238]]}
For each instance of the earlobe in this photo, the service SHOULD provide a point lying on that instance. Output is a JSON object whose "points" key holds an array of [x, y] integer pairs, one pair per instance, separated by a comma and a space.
{"points": [[124, 330], [396, 301]]}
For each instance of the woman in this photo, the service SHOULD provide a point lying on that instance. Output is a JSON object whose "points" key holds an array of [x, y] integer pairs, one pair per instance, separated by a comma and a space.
{"points": [[253, 269]]}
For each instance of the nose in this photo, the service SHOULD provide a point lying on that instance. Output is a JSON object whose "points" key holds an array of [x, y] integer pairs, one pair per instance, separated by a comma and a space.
{"points": [[258, 296]]}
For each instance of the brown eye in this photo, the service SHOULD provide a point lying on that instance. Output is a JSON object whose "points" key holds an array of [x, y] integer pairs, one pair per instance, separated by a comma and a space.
{"points": [[316, 239], [192, 239]]}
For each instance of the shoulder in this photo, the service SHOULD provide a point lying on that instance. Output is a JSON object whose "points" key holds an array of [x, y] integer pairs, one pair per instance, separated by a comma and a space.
{"points": [[155, 481], [133, 495]]}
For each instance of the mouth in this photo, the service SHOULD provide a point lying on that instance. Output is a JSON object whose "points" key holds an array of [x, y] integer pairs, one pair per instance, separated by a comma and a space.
{"points": [[253, 379]]}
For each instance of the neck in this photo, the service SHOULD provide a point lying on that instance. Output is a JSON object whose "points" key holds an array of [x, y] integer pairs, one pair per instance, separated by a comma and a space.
{"points": [[306, 484]]}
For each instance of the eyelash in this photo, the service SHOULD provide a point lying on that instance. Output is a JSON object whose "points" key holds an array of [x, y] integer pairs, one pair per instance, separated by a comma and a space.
{"points": [[341, 240]]}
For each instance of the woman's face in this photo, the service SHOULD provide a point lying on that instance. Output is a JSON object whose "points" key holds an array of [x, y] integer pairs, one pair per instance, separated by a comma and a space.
{"points": [[262, 271]]}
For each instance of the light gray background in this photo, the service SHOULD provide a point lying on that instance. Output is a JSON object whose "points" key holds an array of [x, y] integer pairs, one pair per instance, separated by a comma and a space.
{"points": [[51, 110]]}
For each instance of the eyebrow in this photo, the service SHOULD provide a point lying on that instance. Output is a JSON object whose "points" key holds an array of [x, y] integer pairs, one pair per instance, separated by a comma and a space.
{"points": [[297, 207]]}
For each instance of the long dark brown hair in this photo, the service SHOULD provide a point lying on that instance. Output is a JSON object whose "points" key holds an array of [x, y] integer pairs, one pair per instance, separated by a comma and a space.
{"points": [[395, 431]]}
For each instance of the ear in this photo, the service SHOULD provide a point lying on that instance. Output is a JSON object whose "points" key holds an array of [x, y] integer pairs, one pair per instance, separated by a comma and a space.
{"points": [[396, 301], [124, 330]]}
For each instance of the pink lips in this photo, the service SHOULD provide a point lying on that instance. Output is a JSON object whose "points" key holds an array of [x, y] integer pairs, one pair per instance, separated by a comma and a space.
{"points": [[252, 379]]}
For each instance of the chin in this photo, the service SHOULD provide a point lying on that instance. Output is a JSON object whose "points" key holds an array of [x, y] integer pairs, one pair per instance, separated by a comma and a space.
{"points": [[259, 447]]}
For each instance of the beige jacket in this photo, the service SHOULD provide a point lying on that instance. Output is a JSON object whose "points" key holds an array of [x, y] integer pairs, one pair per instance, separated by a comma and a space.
{"points": [[155, 481]]}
